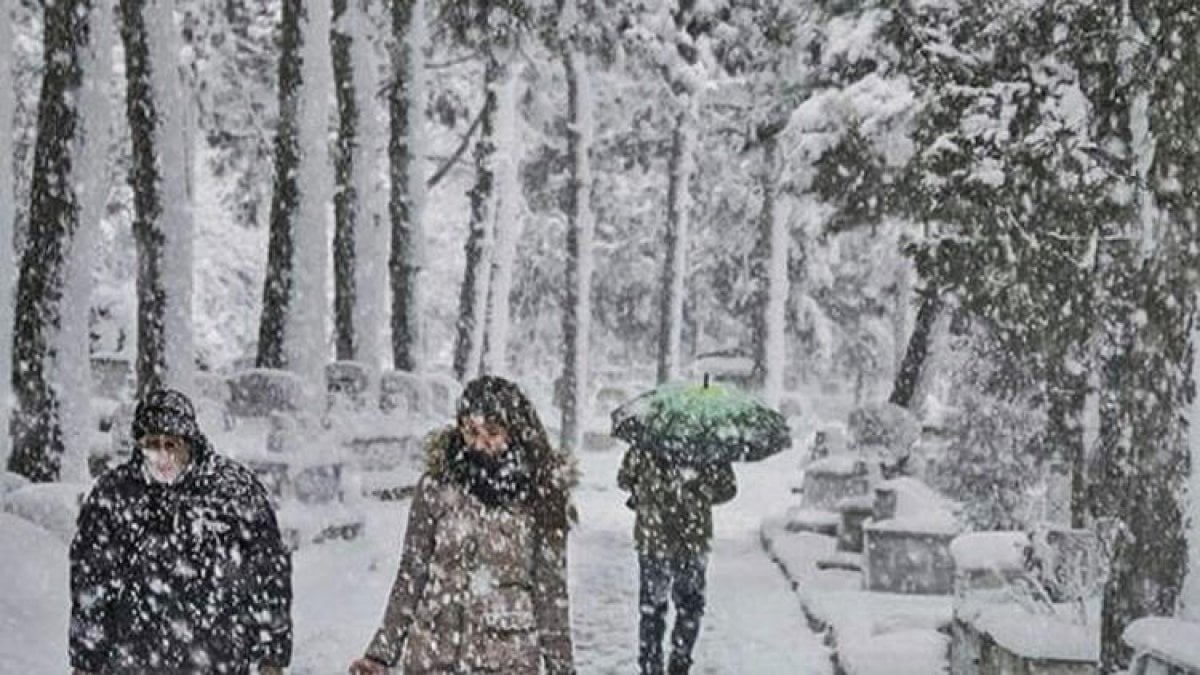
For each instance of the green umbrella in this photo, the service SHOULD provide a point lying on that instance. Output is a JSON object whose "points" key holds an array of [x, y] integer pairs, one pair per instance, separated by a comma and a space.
{"points": [[698, 424]]}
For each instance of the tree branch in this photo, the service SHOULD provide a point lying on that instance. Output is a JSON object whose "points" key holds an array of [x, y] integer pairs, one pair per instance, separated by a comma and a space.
{"points": [[458, 152]]}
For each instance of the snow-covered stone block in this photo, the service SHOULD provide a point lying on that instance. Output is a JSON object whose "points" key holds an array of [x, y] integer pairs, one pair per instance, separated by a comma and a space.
{"points": [[112, 375], [821, 521], [1068, 561], [1008, 638], [443, 395], [1164, 645], [10, 481], [403, 392], [853, 513], [347, 384], [909, 556], [386, 452], [53, 507], [828, 480], [262, 391], [987, 562]]}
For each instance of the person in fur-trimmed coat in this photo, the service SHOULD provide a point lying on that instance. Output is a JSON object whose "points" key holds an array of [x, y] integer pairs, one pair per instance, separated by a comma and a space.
{"points": [[482, 583]]}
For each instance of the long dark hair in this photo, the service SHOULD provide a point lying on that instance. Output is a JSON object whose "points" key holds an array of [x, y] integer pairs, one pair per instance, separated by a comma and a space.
{"points": [[552, 474]]}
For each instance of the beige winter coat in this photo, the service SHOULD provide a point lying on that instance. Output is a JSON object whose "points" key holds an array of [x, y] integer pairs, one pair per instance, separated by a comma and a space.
{"points": [[479, 589]]}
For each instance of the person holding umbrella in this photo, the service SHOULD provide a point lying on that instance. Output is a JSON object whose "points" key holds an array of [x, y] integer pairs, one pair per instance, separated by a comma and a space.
{"points": [[683, 440], [672, 532]]}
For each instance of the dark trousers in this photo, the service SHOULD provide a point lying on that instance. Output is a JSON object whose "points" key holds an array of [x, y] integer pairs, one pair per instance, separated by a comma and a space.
{"points": [[679, 577]]}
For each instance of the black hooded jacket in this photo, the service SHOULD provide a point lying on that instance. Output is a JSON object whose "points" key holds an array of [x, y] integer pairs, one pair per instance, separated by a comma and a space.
{"points": [[184, 578]]}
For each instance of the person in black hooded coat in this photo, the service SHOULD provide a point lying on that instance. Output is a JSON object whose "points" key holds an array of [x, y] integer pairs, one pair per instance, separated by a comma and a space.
{"points": [[177, 565]]}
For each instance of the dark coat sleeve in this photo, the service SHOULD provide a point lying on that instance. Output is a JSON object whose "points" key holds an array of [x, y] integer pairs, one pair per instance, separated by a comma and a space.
{"points": [[95, 559], [270, 565], [551, 607], [718, 482], [410, 578], [627, 475]]}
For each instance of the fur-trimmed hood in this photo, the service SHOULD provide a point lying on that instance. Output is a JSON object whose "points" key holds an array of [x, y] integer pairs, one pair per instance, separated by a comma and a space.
{"points": [[555, 474]]}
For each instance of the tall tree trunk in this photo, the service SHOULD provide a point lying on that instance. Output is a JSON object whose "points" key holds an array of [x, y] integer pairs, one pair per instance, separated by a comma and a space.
{"points": [[291, 333], [473, 294], [162, 225], [771, 279], [1148, 305], [1067, 393], [51, 374], [277, 286], [371, 193], [407, 196], [909, 375], [344, 290], [577, 306], [677, 238], [8, 212], [507, 225]]}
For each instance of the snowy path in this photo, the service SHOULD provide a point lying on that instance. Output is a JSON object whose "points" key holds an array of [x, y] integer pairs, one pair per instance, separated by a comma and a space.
{"points": [[754, 624]]}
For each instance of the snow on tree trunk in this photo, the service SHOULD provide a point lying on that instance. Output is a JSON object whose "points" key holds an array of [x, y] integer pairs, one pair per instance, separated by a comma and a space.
{"points": [[677, 238], [306, 343], [370, 188], [292, 331], [1190, 600], [277, 284], [772, 277], [50, 341], [507, 226], [577, 309], [158, 117], [473, 294], [8, 212], [1147, 306], [344, 291], [406, 204], [74, 363]]}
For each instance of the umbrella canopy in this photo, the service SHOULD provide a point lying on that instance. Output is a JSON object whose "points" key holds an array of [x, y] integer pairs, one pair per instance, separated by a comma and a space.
{"points": [[699, 424]]}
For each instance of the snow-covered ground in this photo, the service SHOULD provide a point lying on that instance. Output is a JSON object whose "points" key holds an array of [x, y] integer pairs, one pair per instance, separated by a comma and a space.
{"points": [[754, 623]]}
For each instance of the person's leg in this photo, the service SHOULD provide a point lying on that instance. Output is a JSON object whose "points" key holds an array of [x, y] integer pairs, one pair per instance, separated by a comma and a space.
{"points": [[655, 580], [688, 594]]}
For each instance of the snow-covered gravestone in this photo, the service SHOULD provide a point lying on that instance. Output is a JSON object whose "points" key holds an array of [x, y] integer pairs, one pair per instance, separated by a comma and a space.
{"points": [[826, 482], [262, 391], [1164, 646], [443, 395], [403, 393], [346, 385], [910, 552], [112, 376]]}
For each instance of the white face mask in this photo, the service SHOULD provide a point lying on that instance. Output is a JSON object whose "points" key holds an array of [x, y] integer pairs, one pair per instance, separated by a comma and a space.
{"points": [[161, 466]]}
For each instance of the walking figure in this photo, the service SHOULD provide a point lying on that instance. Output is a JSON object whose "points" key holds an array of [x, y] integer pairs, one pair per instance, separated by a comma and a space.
{"points": [[177, 565], [672, 530], [482, 584]]}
